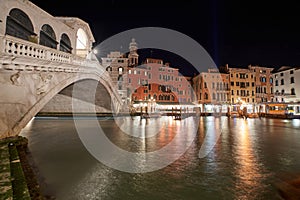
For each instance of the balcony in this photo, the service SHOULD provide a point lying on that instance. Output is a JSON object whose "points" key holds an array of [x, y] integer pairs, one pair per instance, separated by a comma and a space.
{"points": [[290, 95]]}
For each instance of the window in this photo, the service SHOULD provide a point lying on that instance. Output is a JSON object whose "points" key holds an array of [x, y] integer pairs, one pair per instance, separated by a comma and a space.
{"points": [[120, 70], [281, 74], [271, 80], [129, 71], [282, 91], [276, 82], [292, 72], [109, 69], [292, 80], [205, 96], [242, 76], [293, 91], [282, 82]]}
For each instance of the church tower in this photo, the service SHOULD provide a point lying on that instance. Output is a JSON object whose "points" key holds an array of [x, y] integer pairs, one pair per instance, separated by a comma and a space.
{"points": [[133, 56]]}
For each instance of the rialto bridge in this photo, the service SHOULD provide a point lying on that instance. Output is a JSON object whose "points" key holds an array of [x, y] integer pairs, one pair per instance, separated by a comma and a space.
{"points": [[41, 56]]}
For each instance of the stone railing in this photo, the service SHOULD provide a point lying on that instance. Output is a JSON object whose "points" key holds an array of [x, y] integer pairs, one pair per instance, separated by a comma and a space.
{"points": [[16, 46], [68, 62]]}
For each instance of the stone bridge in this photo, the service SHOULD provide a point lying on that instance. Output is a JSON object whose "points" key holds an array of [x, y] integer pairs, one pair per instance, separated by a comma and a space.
{"points": [[35, 67], [27, 84]]}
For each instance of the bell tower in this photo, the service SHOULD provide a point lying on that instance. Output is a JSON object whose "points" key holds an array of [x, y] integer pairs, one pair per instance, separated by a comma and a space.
{"points": [[133, 56]]}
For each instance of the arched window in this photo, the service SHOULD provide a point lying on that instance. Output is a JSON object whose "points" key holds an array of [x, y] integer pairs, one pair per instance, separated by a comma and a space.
{"points": [[109, 69], [82, 48], [65, 43], [172, 98], [155, 97], [19, 25], [293, 91], [160, 97], [120, 70], [47, 37], [205, 96], [82, 39]]}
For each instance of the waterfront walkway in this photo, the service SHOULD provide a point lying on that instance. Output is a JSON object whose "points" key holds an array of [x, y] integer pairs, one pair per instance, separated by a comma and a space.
{"points": [[13, 184]]}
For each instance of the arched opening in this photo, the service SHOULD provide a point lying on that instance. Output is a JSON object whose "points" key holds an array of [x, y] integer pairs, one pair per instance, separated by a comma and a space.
{"points": [[160, 97], [48, 37], [89, 95], [65, 43], [121, 70], [293, 91], [81, 43], [109, 69], [172, 98], [19, 25]]}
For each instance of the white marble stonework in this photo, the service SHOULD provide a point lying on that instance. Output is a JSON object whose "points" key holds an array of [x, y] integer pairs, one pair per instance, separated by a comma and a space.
{"points": [[32, 74]]}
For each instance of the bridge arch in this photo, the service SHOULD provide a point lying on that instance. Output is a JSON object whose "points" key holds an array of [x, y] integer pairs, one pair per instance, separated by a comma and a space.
{"points": [[55, 90]]}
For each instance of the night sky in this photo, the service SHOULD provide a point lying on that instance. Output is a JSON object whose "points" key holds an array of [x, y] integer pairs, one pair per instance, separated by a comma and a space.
{"points": [[238, 33]]}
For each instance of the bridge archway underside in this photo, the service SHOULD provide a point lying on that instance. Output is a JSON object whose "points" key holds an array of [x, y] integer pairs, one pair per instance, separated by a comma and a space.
{"points": [[27, 85]]}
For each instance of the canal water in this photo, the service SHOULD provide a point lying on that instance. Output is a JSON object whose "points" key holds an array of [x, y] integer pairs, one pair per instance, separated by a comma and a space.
{"points": [[245, 161]]}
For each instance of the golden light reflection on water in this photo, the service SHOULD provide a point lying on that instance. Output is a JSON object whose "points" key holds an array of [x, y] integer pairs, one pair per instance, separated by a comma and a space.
{"points": [[247, 169]]}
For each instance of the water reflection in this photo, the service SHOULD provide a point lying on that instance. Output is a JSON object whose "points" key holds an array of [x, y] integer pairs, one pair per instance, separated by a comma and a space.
{"points": [[248, 172], [241, 163]]}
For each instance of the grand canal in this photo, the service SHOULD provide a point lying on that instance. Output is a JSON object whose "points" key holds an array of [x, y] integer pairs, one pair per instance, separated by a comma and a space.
{"points": [[247, 161]]}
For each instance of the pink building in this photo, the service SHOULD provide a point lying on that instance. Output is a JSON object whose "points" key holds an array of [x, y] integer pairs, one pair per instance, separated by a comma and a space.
{"points": [[154, 71]]}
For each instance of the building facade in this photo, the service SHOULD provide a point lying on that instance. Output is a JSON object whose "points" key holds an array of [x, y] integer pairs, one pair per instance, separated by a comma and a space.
{"points": [[242, 85], [158, 81], [263, 83], [116, 65], [287, 84]]}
